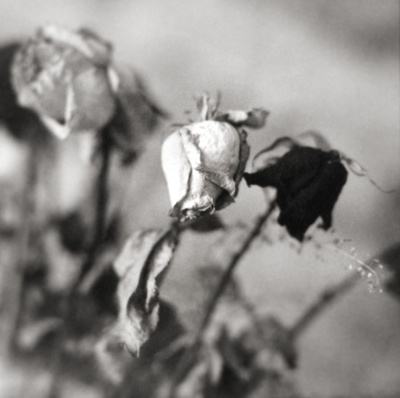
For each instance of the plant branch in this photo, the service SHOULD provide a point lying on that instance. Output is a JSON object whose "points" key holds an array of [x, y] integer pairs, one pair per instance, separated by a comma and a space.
{"points": [[324, 300], [185, 363]]}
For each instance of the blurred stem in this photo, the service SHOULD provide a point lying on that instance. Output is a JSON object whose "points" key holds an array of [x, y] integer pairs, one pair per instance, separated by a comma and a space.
{"points": [[99, 228], [101, 202], [324, 300], [23, 244], [188, 358]]}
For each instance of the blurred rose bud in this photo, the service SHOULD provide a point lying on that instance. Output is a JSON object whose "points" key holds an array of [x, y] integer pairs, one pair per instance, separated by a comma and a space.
{"points": [[204, 162], [64, 77]]}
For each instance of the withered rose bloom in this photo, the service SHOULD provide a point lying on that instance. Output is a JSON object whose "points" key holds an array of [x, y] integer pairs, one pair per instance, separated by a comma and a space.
{"points": [[308, 182], [204, 163], [64, 77], [70, 80]]}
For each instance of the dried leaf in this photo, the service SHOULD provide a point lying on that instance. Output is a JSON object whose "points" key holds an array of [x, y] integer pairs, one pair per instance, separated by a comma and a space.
{"points": [[270, 155], [139, 266], [319, 140], [137, 114], [359, 170]]}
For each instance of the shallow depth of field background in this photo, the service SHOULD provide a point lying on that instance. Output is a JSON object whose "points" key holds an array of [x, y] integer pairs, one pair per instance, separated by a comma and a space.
{"points": [[330, 66]]}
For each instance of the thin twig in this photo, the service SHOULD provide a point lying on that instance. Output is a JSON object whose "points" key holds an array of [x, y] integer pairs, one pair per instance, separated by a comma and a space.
{"points": [[188, 358], [231, 267]]}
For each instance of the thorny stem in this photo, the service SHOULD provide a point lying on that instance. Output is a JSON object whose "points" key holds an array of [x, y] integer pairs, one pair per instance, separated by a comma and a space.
{"points": [[99, 227], [185, 363]]}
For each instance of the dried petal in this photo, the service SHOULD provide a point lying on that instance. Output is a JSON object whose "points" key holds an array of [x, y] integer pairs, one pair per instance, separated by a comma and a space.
{"points": [[203, 164]]}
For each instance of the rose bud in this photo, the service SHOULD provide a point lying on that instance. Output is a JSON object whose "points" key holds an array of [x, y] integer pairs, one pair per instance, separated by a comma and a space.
{"points": [[64, 77], [203, 163], [308, 183]]}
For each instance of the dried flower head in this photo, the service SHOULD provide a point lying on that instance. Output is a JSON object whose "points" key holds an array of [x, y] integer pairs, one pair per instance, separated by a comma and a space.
{"points": [[64, 77], [308, 182], [204, 161], [70, 80]]}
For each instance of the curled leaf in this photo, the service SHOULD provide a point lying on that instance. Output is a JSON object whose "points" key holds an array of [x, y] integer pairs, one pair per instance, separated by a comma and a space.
{"points": [[270, 155], [140, 265], [359, 170], [318, 140]]}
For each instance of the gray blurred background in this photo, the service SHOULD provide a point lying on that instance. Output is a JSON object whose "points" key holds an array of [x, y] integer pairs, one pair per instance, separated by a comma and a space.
{"points": [[330, 66]]}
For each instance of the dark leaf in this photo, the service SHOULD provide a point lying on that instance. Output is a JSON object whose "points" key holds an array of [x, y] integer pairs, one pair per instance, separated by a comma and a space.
{"points": [[320, 142]]}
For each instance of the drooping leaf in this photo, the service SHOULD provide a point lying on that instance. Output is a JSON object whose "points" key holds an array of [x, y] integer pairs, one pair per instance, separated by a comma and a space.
{"points": [[270, 155], [140, 265]]}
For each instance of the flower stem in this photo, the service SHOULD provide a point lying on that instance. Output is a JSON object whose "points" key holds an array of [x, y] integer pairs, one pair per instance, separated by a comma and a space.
{"points": [[101, 197], [99, 228], [22, 247], [188, 358]]}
